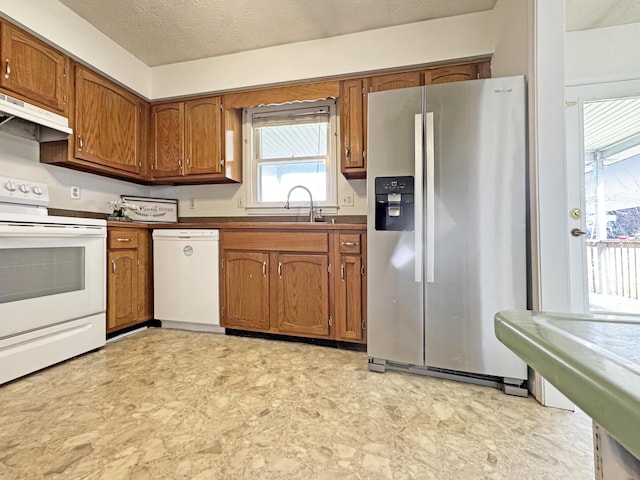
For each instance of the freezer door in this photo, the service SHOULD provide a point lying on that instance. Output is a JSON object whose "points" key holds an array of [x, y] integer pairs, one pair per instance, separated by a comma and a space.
{"points": [[479, 233], [395, 306]]}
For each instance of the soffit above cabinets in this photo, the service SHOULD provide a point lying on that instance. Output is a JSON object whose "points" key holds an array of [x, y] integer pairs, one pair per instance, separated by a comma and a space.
{"points": [[161, 32]]}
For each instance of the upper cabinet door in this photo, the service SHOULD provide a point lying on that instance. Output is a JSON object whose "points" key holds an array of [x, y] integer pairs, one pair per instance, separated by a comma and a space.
{"points": [[167, 124], [203, 120], [454, 73], [107, 123], [395, 80], [33, 70], [232, 144], [353, 128]]}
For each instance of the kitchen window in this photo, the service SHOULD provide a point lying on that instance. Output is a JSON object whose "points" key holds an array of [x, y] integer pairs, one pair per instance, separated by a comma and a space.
{"points": [[290, 145]]}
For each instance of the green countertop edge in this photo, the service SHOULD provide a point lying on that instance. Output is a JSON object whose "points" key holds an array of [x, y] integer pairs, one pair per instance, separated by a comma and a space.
{"points": [[604, 401]]}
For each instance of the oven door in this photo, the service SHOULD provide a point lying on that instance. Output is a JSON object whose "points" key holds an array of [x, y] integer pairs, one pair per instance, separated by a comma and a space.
{"points": [[50, 274]]}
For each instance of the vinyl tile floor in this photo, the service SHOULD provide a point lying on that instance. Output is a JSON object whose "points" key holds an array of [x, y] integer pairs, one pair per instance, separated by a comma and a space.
{"points": [[169, 404]]}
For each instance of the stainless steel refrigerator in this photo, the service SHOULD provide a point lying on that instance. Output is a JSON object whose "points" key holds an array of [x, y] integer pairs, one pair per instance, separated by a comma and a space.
{"points": [[446, 233]]}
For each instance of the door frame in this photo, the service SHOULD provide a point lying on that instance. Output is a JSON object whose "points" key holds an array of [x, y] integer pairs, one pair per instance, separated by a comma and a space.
{"points": [[576, 96]]}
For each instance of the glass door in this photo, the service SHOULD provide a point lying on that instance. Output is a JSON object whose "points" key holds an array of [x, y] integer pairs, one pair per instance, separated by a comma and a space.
{"points": [[603, 135]]}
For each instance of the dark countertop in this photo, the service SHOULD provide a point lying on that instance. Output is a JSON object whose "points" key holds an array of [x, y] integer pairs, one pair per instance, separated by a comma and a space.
{"points": [[243, 225]]}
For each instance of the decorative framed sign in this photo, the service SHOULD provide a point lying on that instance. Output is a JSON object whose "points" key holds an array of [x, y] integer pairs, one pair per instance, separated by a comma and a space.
{"points": [[149, 210]]}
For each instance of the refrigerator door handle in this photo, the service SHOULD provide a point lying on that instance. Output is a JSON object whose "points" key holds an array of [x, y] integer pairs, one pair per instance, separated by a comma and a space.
{"points": [[418, 205], [430, 223]]}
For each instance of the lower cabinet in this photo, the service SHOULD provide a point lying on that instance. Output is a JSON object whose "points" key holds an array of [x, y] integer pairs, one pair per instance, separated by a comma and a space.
{"points": [[246, 290], [302, 294], [350, 290], [129, 278], [294, 283]]}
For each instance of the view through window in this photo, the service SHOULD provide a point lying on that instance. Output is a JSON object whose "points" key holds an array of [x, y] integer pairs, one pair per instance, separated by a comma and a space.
{"points": [[612, 204], [291, 145]]}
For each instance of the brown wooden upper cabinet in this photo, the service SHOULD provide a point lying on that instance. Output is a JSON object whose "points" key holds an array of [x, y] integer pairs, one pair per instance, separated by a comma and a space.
{"points": [[107, 123], [196, 141], [353, 127], [456, 73], [353, 105], [110, 126], [32, 70], [395, 80]]}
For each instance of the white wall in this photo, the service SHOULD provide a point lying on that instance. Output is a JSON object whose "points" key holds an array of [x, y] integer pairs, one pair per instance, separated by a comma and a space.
{"points": [[222, 200], [19, 158], [417, 43], [602, 55], [511, 38]]}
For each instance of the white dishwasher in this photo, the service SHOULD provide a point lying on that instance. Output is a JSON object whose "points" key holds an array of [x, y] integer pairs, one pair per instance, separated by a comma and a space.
{"points": [[185, 279]]}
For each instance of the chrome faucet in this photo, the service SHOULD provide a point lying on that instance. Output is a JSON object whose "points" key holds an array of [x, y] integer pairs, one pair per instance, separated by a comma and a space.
{"points": [[286, 205]]}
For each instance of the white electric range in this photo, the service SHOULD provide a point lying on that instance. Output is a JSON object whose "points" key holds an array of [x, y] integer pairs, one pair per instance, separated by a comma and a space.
{"points": [[52, 281]]}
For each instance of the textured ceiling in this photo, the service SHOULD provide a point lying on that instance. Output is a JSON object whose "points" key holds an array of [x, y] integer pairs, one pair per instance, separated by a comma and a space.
{"points": [[588, 14], [160, 32]]}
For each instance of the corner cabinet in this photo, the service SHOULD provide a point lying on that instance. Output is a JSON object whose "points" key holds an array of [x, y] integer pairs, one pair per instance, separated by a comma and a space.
{"points": [[107, 123], [129, 278], [293, 282], [32, 70], [196, 141], [354, 101], [110, 130]]}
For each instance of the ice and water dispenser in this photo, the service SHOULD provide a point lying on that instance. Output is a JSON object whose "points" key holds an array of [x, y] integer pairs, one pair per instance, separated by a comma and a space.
{"points": [[394, 203]]}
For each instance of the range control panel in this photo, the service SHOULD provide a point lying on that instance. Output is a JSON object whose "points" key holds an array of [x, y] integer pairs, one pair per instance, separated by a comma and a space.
{"points": [[23, 192]]}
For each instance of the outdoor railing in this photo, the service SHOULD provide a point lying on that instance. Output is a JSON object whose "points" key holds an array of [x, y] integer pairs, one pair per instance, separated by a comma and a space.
{"points": [[614, 267]]}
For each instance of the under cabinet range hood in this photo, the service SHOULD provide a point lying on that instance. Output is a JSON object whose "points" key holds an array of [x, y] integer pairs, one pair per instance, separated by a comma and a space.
{"points": [[31, 122]]}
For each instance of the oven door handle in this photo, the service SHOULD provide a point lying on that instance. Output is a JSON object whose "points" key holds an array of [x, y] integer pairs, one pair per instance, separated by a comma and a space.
{"points": [[30, 231]]}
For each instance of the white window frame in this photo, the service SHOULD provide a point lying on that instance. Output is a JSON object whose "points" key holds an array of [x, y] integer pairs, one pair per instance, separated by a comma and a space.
{"points": [[298, 208]]}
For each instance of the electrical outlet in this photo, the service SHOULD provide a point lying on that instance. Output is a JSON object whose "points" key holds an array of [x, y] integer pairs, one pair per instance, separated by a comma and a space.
{"points": [[192, 203], [347, 200], [74, 192], [240, 202]]}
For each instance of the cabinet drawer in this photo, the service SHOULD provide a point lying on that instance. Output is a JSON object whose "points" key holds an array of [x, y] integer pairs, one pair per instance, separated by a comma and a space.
{"points": [[350, 243], [122, 239], [276, 241]]}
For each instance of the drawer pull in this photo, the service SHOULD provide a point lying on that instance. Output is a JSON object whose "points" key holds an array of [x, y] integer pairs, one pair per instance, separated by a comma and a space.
{"points": [[349, 244], [124, 239]]}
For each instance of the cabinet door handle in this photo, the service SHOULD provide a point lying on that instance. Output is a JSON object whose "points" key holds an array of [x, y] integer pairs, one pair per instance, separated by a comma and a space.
{"points": [[113, 266], [180, 163], [346, 151], [7, 72], [280, 269], [342, 272], [189, 161], [124, 239], [349, 244], [81, 143], [264, 269]]}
